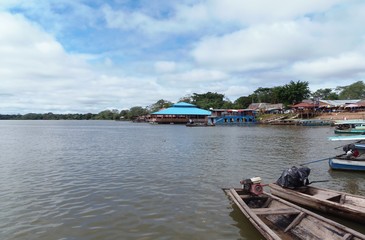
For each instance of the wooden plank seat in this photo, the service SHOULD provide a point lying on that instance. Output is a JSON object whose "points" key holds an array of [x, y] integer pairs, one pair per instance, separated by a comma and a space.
{"points": [[275, 211], [325, 195]]}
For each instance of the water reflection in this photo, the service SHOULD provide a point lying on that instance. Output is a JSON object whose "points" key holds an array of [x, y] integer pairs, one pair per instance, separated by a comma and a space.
{"points": [[348, 181], [247, 230]]}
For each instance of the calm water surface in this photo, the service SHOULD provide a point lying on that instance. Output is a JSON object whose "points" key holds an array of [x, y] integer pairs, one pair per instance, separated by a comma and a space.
{"points": [[117, 180]]}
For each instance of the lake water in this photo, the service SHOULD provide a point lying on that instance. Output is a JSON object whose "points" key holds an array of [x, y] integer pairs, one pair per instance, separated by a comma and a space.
{"points": [[120, 180]]}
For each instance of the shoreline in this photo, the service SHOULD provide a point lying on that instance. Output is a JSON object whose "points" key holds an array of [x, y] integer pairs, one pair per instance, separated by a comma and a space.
{"points": [[341, 116]]}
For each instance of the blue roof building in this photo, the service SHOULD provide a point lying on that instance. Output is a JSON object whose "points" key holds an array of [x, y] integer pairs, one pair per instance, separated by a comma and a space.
{"points": [[182, 113]]}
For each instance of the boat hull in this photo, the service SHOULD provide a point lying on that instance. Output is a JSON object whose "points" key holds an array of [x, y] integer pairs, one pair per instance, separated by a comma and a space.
{"points": [[350, 165], [337, 203], [350, 131], [359, 146]]}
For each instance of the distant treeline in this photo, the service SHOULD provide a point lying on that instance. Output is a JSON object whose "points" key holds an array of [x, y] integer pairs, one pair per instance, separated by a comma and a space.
{"points": [[103, 115], [52, 116]]}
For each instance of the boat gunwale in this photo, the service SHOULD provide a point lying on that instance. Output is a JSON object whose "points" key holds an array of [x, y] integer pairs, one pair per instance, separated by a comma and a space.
{"points": [[350, 211]]}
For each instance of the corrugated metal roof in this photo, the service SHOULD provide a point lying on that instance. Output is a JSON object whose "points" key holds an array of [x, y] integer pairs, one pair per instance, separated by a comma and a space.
{"points": [[183, 108], [338, 103], [304, 105], [184, 104]]}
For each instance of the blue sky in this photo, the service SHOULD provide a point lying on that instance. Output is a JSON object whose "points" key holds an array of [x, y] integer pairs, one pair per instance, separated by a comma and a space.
{"points": [[69, 56]]}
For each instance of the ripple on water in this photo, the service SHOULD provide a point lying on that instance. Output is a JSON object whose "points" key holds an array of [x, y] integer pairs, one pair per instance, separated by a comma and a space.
{"points": [[112, 180]]}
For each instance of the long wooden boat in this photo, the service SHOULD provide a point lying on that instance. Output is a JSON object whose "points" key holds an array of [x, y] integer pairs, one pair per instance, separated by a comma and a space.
{"points": [[199, 125], [315, 122], [276, 218], [338, 203], [354, 131]]}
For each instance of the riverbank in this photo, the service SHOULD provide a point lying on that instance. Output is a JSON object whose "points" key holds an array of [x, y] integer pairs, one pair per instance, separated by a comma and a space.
{"points": [[323, 116], [342, 115]]}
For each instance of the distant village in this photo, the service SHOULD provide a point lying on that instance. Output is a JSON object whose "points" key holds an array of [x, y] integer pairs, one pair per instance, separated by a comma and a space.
{"points": [[186, 113]]}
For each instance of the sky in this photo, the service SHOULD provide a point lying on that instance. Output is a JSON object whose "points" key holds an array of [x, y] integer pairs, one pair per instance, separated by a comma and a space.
{"points": [[81, 56]]}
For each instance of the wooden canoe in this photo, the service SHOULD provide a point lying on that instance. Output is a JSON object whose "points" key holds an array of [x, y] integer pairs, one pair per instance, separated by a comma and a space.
{"points": [[277, 219], [338, 203]]}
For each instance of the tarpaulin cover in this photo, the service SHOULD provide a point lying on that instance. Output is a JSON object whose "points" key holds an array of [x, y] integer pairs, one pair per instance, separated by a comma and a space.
{"points": [[294, 177]]}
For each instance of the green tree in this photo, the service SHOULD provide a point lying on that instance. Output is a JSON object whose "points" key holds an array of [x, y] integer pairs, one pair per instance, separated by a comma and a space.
{"points": [[295, 92], [208, 100], [105, 115], [136, 112], [242, 102], [116, 114], [278, 95], [124, 114], [32, 116], [187, 99], [353, 91], [325, 93], [228, 104], [89, 116], [159, 105], [264, 95]]}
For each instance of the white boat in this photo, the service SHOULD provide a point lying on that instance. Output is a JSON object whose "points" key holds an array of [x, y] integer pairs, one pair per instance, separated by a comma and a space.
{"points": [[347, 138], [347, 164], [353, 159]]}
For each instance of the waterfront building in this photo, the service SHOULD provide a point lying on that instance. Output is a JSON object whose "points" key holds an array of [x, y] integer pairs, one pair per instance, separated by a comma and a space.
{"points": [[180, 113], [232, 116]]}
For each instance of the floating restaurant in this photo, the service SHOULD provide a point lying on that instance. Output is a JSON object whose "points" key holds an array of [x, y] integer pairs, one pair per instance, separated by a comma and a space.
{"points": [[180, 113], [183, 113]]}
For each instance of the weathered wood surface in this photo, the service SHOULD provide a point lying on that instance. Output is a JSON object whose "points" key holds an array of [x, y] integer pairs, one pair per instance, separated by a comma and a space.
{"points": [[274, 211], [342, 204], [280, 219]]}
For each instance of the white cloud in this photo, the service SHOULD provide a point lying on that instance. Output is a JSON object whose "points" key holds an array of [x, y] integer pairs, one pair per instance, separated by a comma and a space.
{"points": [[38, 74], [266, 11], [214, 14], [344, 65], [137, 21], [258, 47], [29, 53], [195, 77], [165, 66]]}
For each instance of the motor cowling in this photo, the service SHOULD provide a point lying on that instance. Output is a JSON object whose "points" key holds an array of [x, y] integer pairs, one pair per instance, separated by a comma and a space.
{"points": [[252, 186]]}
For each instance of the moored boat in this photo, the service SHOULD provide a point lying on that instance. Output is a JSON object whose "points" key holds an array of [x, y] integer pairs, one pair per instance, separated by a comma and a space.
{"points": [[199, 125], [284, 122], [347, 164], [350, 127], [276, 218], [358, 138], [315, 122], [353, 159], [337, 203]]}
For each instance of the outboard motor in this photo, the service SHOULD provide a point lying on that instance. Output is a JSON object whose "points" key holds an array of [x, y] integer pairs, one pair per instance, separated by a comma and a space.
{"points": [[351, 151], [252, 186]]}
